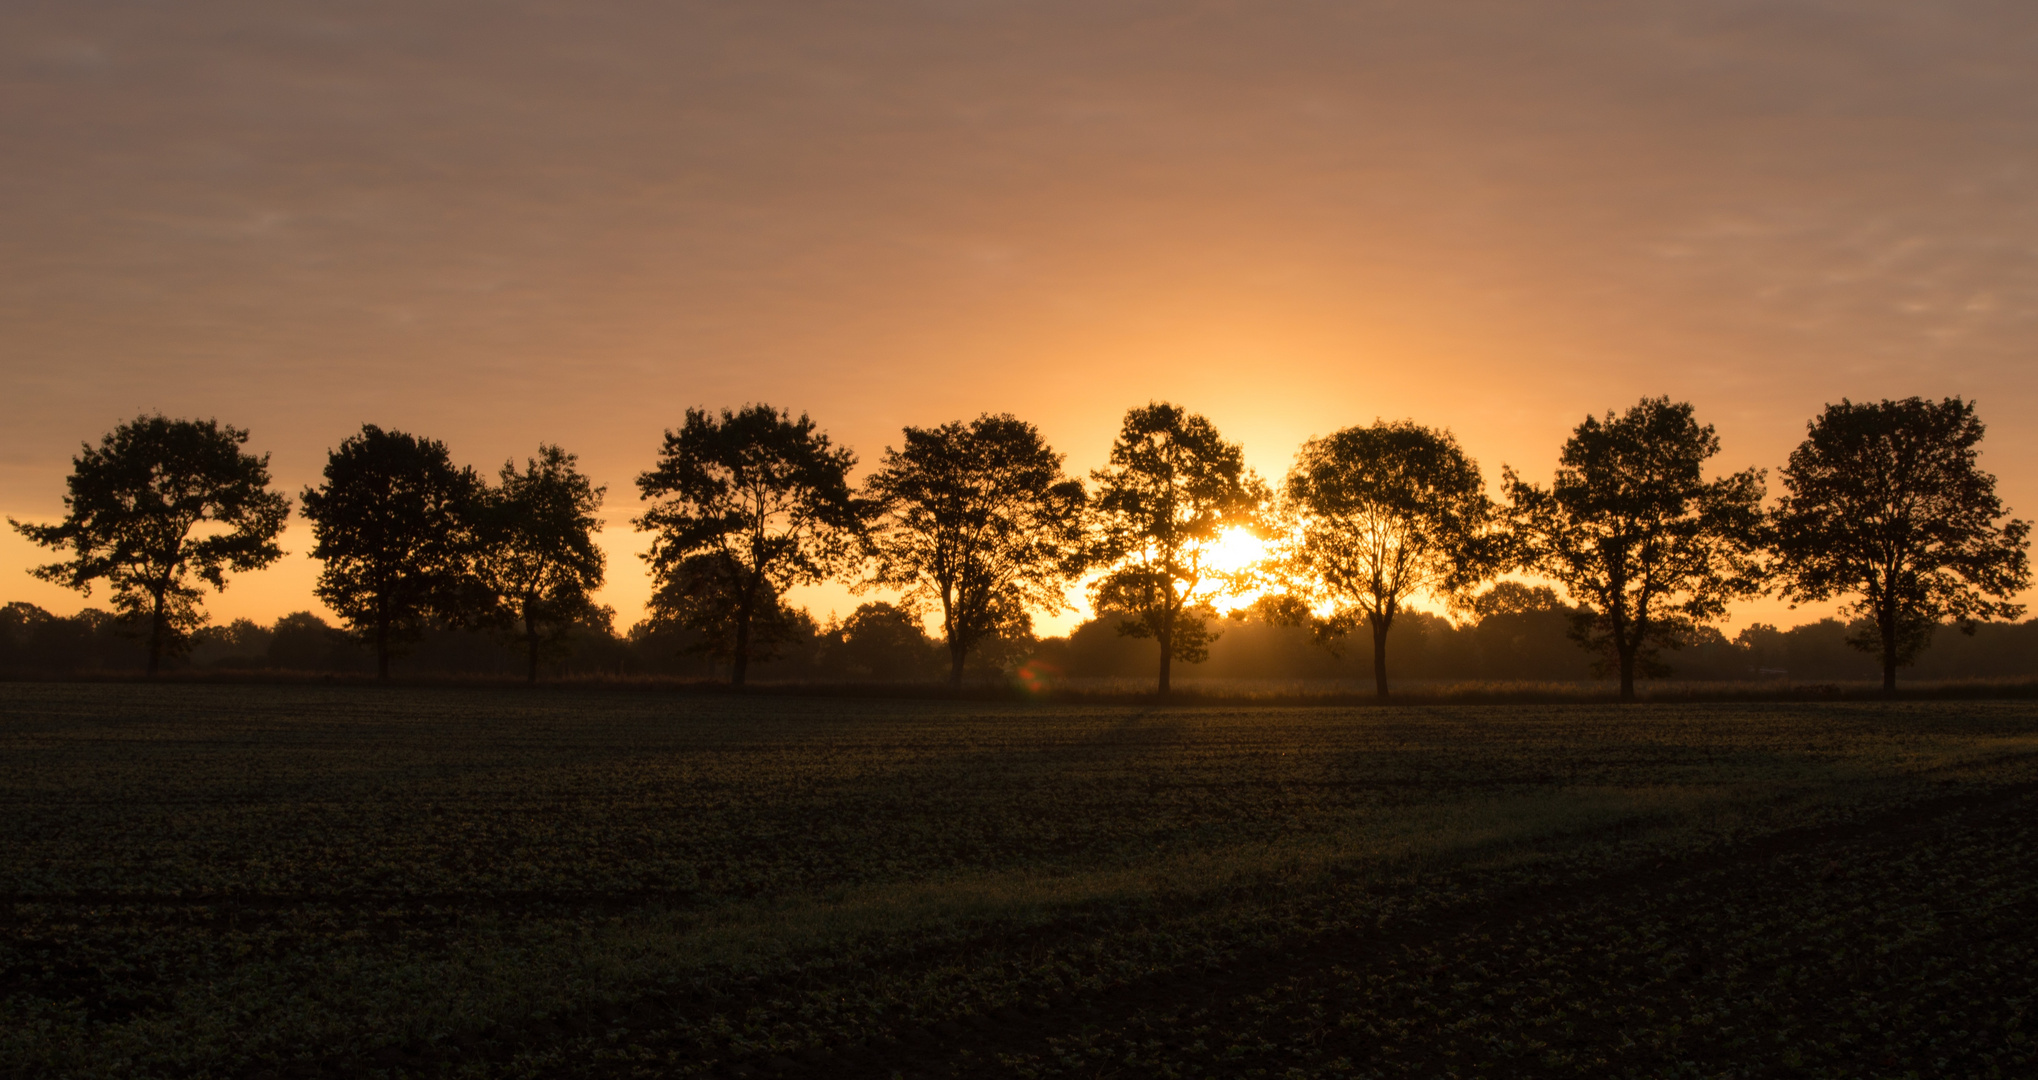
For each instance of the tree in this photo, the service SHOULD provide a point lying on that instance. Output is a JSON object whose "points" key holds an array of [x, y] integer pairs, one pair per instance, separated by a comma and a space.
{"points": [[747, 506], [881, 641], [301, 641], [978, 518], [133, 504], [1646, 545], [1384, 513], [536, 552], [1504, 598], [1885, 502], [394, 525], [1520, 631], [1172, 488], [700, 601]]}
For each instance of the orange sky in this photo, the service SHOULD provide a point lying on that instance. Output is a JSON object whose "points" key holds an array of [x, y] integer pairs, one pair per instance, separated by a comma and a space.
{"points": [[499, 224]]}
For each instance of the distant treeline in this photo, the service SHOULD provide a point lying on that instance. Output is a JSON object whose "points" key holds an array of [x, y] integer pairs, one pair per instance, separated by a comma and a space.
{"points": [[881, 643], [1884, 508]]}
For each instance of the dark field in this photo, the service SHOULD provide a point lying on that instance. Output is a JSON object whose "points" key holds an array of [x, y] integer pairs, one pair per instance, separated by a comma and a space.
{"points": [[294, 882]]}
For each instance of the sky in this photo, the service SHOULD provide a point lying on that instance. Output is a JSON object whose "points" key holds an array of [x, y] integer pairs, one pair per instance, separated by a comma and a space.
{"points": [[500, 224]]}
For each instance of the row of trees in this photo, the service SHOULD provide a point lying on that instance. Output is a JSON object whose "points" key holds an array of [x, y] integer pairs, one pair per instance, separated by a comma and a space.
{"points": [[409, 539], [164, 507], [1884, 504]]}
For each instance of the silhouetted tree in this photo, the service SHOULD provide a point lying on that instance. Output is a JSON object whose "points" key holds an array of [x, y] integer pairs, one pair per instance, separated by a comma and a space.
{"points": [[1383, 513], [979, 518], [696, 603], [536, 552], [1173, 485], [748, 505], [1647, 545], [393, 522], [1885, 502], [21, 624], [35, 642], [1524, 632], [301, 641], [133, 503], [881, 641], [242, 643], [1514, 598]]}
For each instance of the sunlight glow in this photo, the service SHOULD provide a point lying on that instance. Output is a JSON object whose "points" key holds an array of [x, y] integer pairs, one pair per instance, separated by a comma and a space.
{"points": [[1235, 551]]}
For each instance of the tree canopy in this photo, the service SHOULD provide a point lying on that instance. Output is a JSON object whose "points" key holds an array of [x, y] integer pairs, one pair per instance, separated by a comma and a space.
{"points": [[1646, 545], [1885, 508], [1172, 487], [394, 526], [1381, 514], [882, 641], [536, 552], [133, 503], [978, 519], [1887, 503], [746, 505]]}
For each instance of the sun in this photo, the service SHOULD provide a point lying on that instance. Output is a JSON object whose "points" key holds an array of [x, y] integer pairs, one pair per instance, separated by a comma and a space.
{"points": [[1234, 550]]}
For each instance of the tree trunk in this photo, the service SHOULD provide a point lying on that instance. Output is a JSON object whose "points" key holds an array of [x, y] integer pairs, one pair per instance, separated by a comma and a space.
{"points": [[531, 640], [156, 627], [1626, 633], [382, 648], [958, 651], [1379, 656], [740, 666], [1166, 637], [1887, 620]]}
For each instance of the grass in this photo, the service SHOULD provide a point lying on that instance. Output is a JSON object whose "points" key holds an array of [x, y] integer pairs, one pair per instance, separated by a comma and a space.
{"points": [[244, 880]]}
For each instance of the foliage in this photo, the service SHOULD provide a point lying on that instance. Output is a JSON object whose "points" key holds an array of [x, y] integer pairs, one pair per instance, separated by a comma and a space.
{"points": [[746, 506], [535, 549], [301, 641], [1172, 487], [394, 526], [979, 519], [1642, 540], [37, 643], [698, 598], [882, 642], [1382, 514], [240, 643], [1886, 502], [1515, 598], [133, 505]]}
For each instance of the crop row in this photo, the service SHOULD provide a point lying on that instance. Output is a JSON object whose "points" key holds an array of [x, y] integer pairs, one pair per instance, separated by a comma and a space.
{"points": [[207, 881]]}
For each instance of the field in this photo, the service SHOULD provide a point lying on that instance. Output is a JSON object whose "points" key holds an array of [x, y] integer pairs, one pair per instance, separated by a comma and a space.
{"points": [[294, 881]]}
